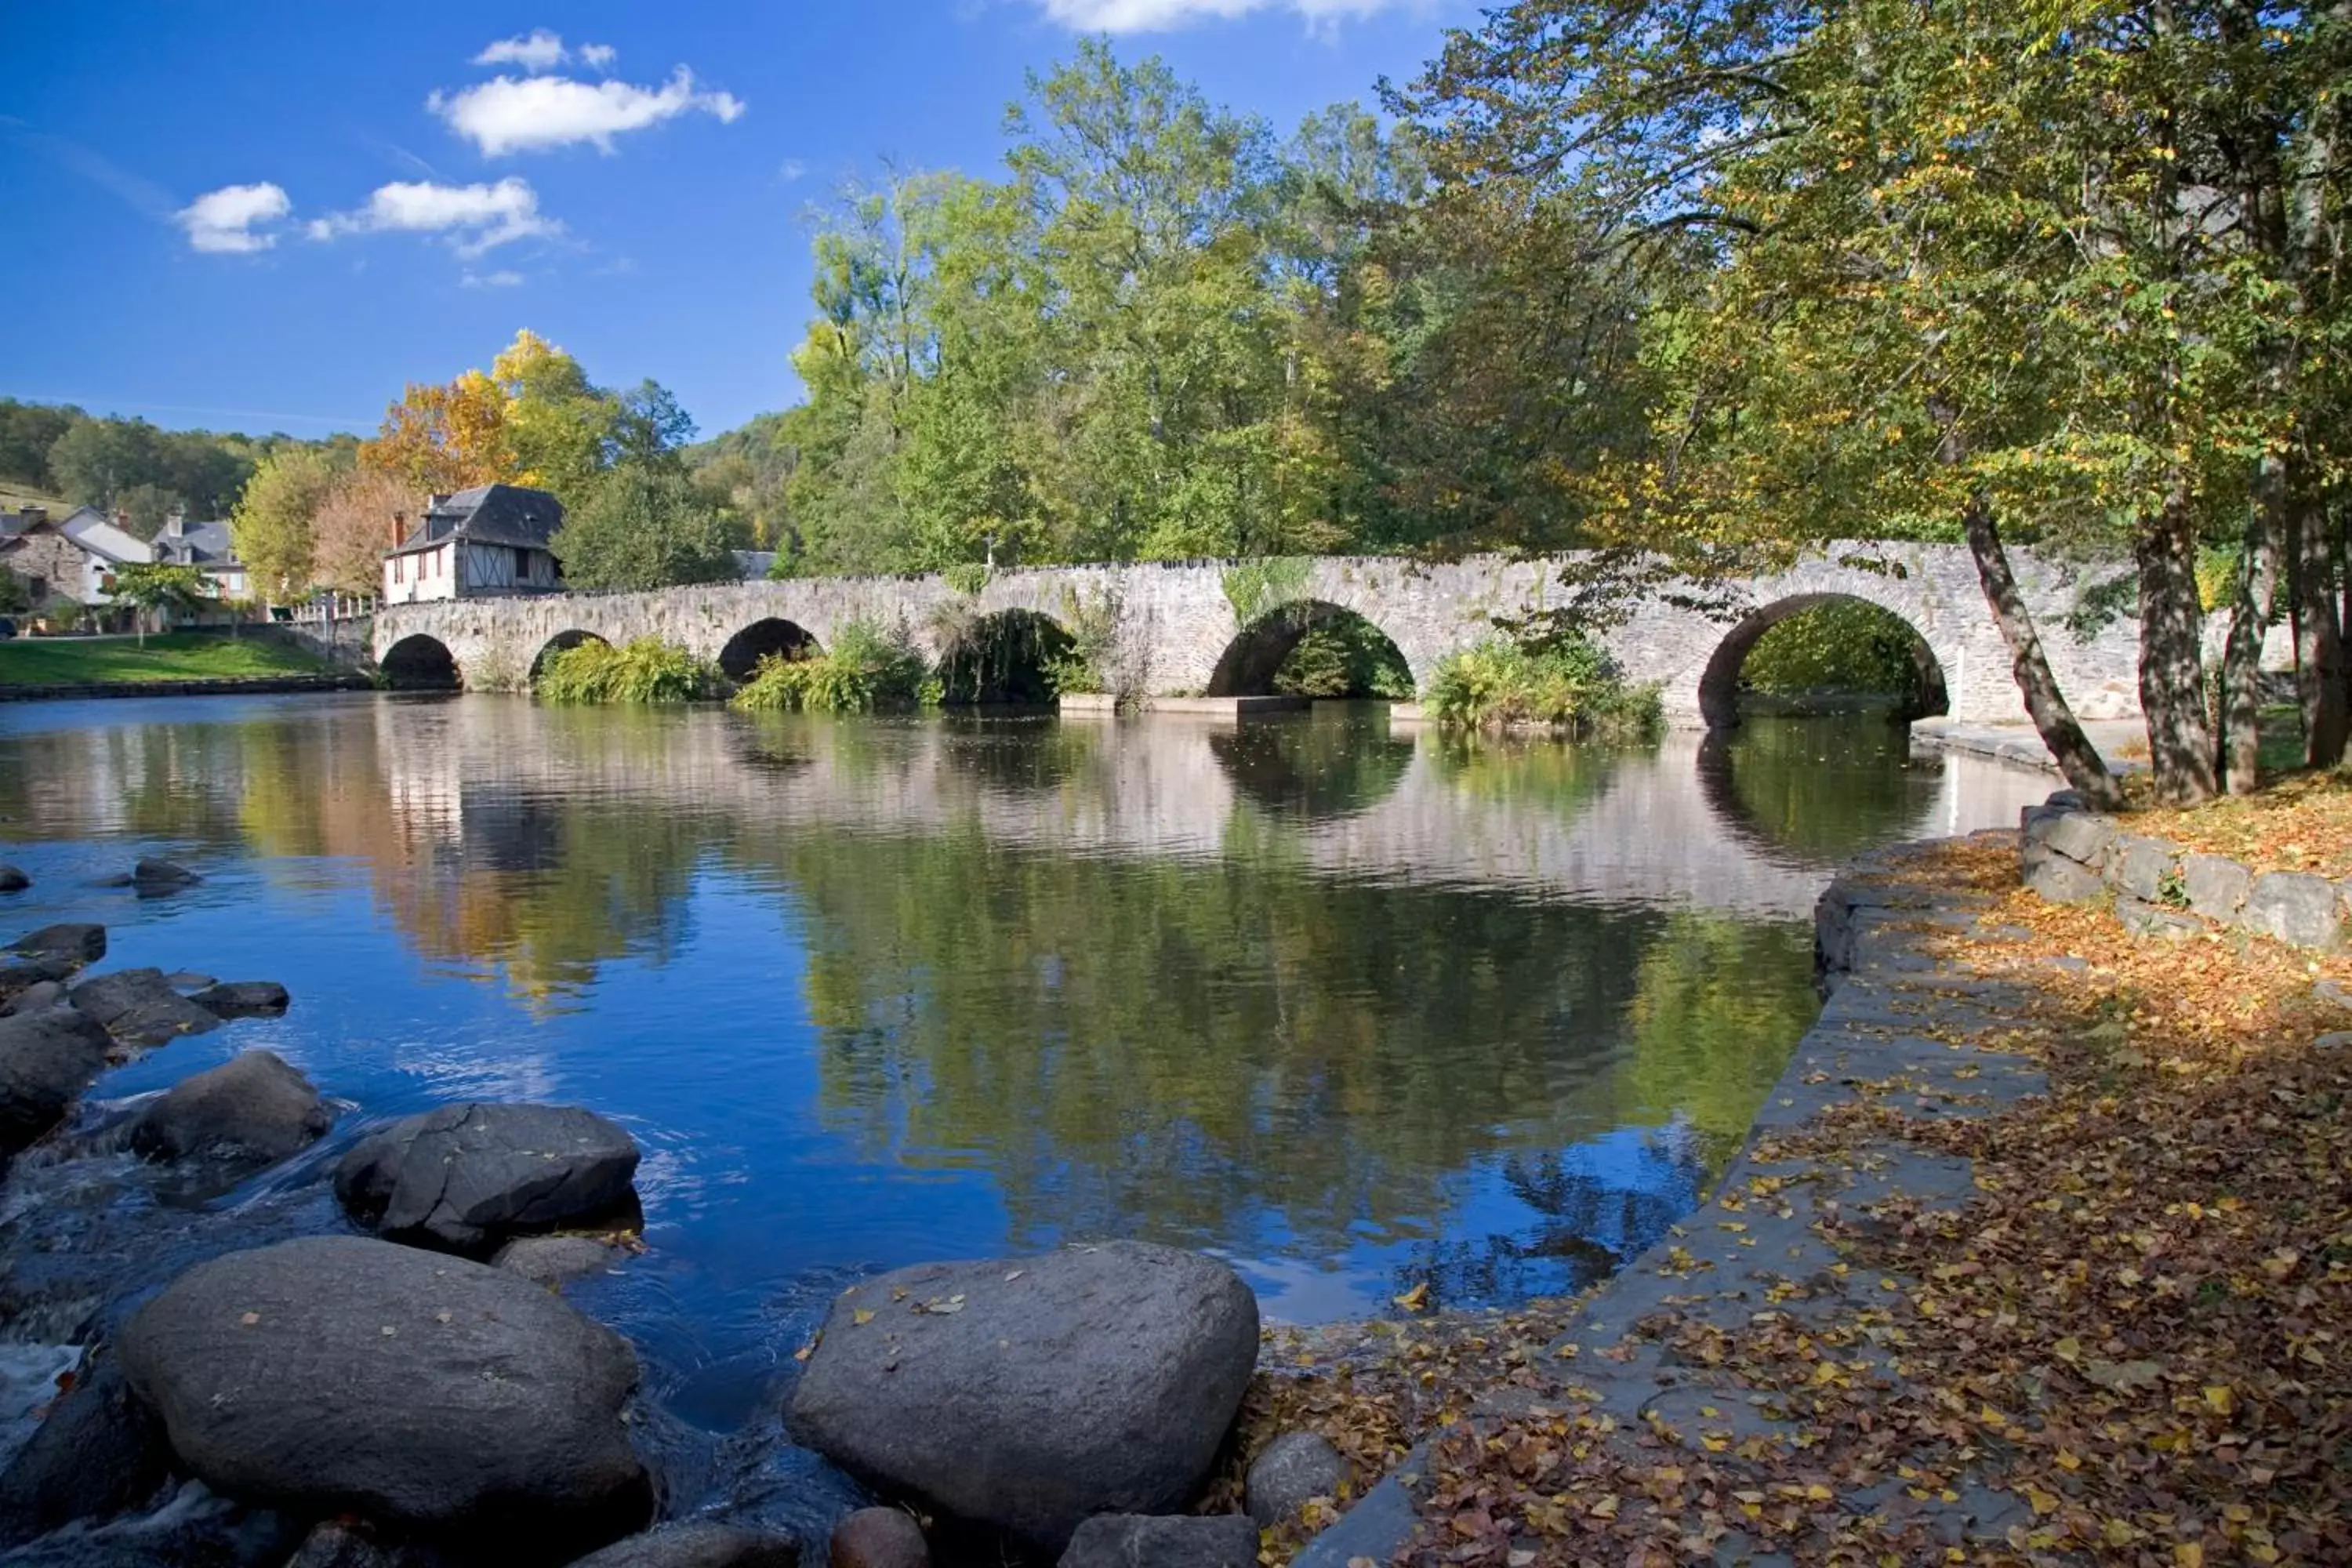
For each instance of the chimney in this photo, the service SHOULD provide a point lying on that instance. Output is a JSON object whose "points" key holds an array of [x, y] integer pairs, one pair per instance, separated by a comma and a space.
{"points": [[399, 528], [123, 520]]}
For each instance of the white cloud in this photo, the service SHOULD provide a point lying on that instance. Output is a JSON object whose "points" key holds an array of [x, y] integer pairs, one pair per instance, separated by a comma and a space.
{"points": [[226, 220], [598, 57], [1166, 16], [502, 278], [541, 51], [791, 170], [523, 114], [477, 218]]}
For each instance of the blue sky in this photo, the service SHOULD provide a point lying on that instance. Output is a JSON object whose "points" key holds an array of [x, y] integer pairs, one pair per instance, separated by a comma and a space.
{"points": [[265, 216]]}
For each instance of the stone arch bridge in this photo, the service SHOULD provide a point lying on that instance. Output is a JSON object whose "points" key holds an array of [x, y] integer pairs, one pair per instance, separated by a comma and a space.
{"points": [[1180, 629]]}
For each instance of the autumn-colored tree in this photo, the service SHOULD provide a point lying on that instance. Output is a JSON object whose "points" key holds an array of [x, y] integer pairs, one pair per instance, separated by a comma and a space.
{"points": [[360, 519], [556, 426], [442, 439]]}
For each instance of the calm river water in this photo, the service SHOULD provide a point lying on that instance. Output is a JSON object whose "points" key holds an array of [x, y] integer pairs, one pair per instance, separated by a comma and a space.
{"points": [[1354, 1010]]}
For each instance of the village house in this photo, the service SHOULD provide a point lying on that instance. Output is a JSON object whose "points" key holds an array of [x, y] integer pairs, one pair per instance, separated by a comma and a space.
{"points": [[206, 547], [72, 557], [492, 540]]}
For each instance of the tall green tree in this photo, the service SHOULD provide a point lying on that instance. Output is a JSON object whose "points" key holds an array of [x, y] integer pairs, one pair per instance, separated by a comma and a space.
{"points": [[272, 528], [644, 526]]}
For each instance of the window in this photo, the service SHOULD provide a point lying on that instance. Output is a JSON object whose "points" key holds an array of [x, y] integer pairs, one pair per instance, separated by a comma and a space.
{"points": [[400, 568], [523, 564]]}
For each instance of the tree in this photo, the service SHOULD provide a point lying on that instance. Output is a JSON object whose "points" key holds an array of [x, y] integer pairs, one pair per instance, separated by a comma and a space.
{"points": [[28, 432], [555, 423], [153, 588], [644, 527], [440, 439], [1958, 269], [361, 517], [272, 526]]}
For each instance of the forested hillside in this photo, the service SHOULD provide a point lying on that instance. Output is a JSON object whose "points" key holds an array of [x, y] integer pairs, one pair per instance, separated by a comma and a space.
{"points": [[129, 465]]}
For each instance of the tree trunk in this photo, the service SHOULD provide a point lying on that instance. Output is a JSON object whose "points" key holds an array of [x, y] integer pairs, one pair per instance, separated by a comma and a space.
{"points": [[2171, 656], [2319, 640], [2241, 657], [2080, 760]]}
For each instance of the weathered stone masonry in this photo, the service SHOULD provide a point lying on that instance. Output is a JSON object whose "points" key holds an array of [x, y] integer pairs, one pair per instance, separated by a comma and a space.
{"points": [[1175, 624]]}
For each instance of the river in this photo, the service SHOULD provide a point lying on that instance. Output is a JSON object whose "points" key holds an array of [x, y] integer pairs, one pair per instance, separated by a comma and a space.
{"points": [[1357, 1011]]}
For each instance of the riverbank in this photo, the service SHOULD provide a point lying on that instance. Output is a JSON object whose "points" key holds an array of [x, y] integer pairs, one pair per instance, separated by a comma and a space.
{"points": [[169, 662], [2040, 1246]]}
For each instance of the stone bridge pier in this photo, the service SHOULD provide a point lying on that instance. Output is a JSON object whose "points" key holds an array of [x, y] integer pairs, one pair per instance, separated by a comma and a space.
{"points": [[1221, 628]]}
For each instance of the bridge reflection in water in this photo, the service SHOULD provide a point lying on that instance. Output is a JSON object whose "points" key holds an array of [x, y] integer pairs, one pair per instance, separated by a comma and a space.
{"points": [[1358, 1009]]}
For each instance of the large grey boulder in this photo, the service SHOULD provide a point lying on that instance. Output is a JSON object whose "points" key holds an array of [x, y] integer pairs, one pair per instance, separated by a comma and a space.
{"points": [[20, 975], [74, 942], [1134, 1541], [2214, 885], [1026, 1394], [339, 1375], [2294, 907], [465, 1177], [697, 1545], [1291, 1472], [150, 878], [251, 1109], [141, 1007], [2061, 881], [242, 998], [99, 1451], [47, 1059]]}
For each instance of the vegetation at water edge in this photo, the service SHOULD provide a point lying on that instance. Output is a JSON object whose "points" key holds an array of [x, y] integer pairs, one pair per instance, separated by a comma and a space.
{"points": [[866, 670], [645, 670], [1566, 683]]}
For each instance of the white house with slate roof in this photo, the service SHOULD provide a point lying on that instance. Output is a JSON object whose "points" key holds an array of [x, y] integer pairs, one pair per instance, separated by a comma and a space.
{"points": [[490, 541], [206, 547], [74, 556]]}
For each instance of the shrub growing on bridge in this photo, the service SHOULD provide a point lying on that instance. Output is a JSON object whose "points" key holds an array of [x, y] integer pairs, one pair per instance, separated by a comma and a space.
{"points": [[866, 670], [647, 670], [1568, 684]]}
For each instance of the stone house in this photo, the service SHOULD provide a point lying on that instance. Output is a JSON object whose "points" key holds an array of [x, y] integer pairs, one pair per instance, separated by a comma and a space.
{"points": [[490, 541], [75, 556]]}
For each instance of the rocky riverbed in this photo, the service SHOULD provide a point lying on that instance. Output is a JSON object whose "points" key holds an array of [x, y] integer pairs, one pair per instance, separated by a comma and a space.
{"points": [[237, 1336]]}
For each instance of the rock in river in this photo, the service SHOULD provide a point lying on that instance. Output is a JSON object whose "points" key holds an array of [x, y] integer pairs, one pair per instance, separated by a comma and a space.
{"points": [[1027, 1393], [339, 1374], [99, 1451], [13, 879], [140, 1007], [243, 999], [1181, 1540], [466, 1176], [75, 943], [879, 1538], [47, 1059], [697, 1545], [251, 1109]]}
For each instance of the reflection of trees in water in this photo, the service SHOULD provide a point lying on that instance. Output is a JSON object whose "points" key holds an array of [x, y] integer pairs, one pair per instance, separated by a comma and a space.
{"points": [[1201, 1051], [1176, 1049], [1316, 766], [1539, 771], [1816, 791]]}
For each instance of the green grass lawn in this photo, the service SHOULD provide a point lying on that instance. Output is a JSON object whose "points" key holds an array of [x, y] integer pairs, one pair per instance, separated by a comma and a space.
{"points": [[173, 656]]}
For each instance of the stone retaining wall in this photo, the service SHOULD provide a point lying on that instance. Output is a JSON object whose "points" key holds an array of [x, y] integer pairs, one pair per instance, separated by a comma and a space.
{"points": [[2072, 855], [237, 687]]}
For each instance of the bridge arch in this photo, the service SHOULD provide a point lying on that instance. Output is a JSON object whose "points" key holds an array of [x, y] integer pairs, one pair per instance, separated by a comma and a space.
{"points": [[1258, 651], [740, 659], [561, 642], [420, 662], [1719, 687], [1004, 656]]}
